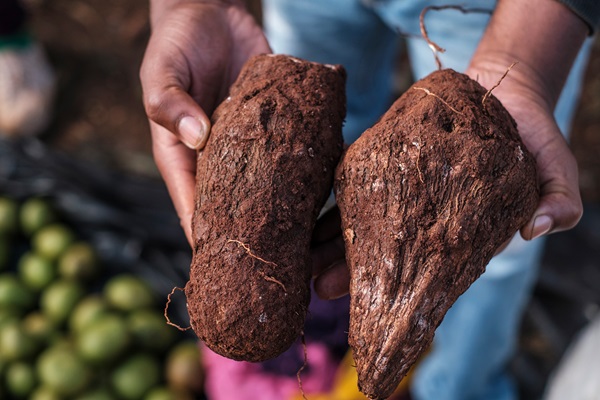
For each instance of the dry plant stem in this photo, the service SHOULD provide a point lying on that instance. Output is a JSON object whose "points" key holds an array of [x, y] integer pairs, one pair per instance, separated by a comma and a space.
{"points": [[435, 48], [487, 94], [303, 366], [166, 313]]}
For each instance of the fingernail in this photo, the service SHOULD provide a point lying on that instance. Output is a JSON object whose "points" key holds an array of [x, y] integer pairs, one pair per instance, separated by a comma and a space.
{"points": [[541, 225], [192, 132]]}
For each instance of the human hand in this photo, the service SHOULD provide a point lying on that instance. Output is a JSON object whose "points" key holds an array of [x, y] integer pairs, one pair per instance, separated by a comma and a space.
{"points": [[544, 36], [523, 94], [330, 272], [195, 53]]}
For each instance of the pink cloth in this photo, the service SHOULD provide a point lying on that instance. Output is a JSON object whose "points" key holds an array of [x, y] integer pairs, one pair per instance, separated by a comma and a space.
{"points": [[234, 380]]}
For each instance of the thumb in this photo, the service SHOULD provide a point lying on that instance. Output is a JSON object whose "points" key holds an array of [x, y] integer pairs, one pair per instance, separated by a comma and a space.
{"points": [[168, 104], [560, 207]]}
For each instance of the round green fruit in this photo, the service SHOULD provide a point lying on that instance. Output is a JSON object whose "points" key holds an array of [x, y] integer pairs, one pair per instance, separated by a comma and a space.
{"points": [[13, 294], [136, 376], [35, 271], [150, 330], [127, 293], [15, 343], [20, 379], [61, 369], [103, 340], [88, 310], [35, 213], [79, 262], [60, 298], [52, 240]]}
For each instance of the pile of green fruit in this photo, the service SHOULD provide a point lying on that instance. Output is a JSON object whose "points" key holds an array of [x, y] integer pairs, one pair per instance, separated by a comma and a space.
{"points": [[69, 332]]}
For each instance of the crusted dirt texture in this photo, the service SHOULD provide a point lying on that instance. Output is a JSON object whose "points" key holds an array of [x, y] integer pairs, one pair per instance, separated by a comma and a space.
{"points": [[262, 179], [426, 196]]}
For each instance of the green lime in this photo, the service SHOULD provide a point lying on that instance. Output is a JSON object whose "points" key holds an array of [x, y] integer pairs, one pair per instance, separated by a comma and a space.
{"points": [[20, 379], [59, 299], [35, 213], [9, 216], [44, 393], [79, 262], [87, 311], [103, 340], [35, 271], [136, 376], [15, 343], [52, 240], [150, 330], [127, 293], [183, 368], [61, 369], [13, 293]]}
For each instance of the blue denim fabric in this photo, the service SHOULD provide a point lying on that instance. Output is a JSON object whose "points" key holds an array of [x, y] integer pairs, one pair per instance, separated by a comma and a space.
{"points": [[474, 343]]}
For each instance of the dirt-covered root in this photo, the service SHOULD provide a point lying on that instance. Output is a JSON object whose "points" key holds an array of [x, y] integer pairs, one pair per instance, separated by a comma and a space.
{"points": [[426, 196], [262, 178]]}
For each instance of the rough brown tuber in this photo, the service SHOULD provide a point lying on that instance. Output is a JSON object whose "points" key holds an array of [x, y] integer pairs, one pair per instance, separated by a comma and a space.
{"points": [[261, 181], [427, 196]]}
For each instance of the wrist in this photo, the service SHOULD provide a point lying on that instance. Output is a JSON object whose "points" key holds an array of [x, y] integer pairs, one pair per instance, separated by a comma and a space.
{"points": [[523, 80], [543, 36], [158, 8]]}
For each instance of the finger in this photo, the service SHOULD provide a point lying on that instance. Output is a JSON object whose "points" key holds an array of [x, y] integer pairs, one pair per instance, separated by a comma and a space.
{"points": [[328, 226], [168, 104], [326, 254], [560, 207], [177, 165], [334, 282]]}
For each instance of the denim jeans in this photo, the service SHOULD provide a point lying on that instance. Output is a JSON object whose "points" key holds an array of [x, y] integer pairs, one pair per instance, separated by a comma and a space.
{"points": [[477, 337]]}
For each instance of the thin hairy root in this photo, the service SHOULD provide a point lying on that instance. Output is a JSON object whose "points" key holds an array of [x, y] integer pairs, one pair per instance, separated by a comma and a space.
{"points": [[437, 97], [271, 279], [304, 365], [487, 94], [250, 252], [435, 48], [265, 276], [417, 163], [166, 313]]}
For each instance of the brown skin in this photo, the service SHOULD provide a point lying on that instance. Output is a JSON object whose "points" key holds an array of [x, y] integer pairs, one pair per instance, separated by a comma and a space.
{"points": [[420, 223], [262, 180]]}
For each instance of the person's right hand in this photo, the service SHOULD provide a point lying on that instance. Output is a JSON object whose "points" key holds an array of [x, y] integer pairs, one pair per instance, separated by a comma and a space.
{"points": [[196, 51]]}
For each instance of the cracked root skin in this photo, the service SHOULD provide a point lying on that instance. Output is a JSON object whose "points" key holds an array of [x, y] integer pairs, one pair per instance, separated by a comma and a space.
{"points": [[426, 195], [262, 178]]}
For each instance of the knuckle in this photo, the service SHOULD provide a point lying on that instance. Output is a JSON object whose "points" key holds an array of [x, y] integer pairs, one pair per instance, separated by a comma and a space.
{"points": [[154, 104], [574, 214]]}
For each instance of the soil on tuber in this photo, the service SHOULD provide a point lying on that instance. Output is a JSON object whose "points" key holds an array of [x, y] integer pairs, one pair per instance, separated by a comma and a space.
{"points": [[261, 181], [427, 196]]}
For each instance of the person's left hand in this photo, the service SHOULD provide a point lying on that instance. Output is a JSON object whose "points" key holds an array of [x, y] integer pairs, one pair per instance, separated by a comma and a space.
{"points": [[330, 272]]}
